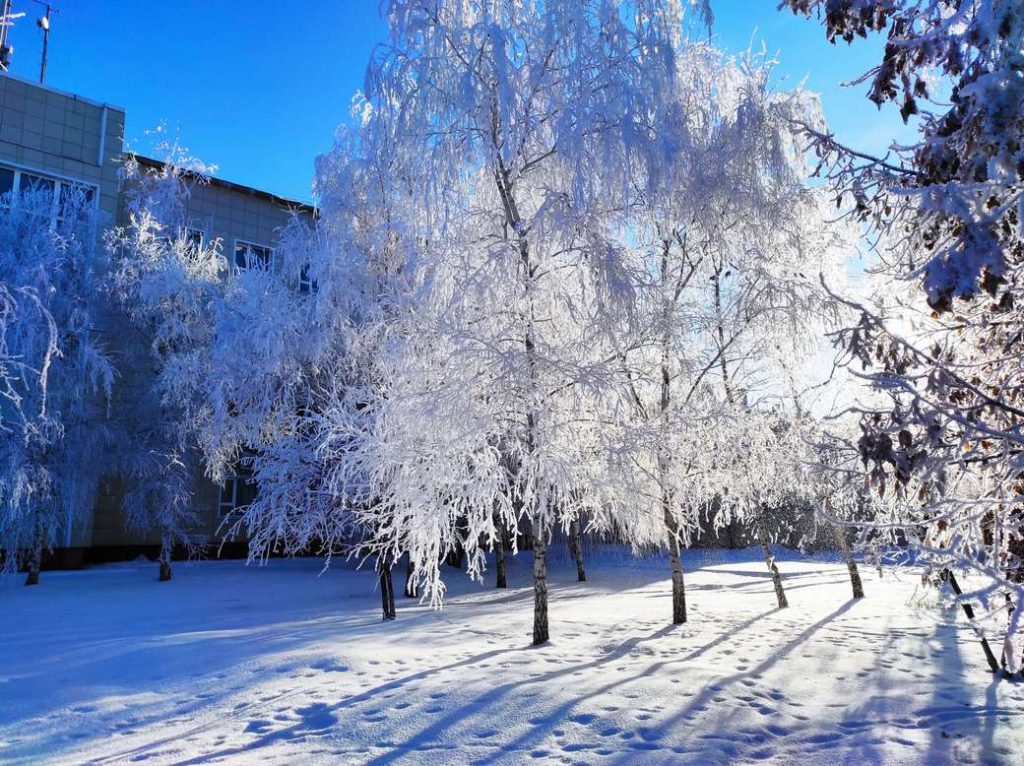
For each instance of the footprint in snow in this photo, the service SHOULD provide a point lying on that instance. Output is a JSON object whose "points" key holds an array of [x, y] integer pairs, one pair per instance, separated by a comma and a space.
{"points": [[821, 739], [330, 666], [258, 726]]}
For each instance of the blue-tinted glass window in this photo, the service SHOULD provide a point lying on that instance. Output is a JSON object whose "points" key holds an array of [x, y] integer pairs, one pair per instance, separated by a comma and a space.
{"points": [[30, 183], [307, 284], [250, 256], [6, 181]]}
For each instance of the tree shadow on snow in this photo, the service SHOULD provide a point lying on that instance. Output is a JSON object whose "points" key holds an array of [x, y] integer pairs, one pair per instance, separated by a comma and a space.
{"points": [[317, 718], [950, 717], [544, 726], [716, 686], [488, 700]]}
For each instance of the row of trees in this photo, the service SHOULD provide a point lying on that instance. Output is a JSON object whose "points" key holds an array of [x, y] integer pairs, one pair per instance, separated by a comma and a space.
{"points": [[568, 268], [567, 271]]}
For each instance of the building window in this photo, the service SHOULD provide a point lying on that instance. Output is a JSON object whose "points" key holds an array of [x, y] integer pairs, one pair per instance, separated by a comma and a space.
{"points": [[307, 284], [41, 191], [236, 493], [6, 188], [63, 195], [29, 183], [252, 256], [191, 241], [194, 239], [72, 197]]}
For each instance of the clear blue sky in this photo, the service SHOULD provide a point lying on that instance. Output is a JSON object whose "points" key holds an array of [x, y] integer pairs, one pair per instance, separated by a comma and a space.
{"points": [[258, 86]]}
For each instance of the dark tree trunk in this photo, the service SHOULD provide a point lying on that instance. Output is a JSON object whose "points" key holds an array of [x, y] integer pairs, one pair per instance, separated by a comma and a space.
{"points": [[35, 557], [501, 580], [166, 547], [506, 190], [676, 562], [851, 565], [576, 548], [387, 591], [540, 583], [454, 557], [35, 563], [730, 535], [949, 577], [410, 579], [769, 559]]}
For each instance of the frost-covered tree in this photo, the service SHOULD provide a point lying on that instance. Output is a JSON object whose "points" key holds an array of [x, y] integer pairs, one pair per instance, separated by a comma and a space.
{"points": [[264, 351], [372, 232], [291, 369], [944, 452], [166, 279], [843, 506], [53, 371], [531, 125], [20, 309], [731, 248]]}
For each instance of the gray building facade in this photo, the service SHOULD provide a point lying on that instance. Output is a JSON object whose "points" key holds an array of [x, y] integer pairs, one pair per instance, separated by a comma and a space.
{"points": [[55, 138]]}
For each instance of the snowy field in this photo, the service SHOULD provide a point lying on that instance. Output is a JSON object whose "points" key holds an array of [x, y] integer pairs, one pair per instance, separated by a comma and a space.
{"points": [[276, 665]]}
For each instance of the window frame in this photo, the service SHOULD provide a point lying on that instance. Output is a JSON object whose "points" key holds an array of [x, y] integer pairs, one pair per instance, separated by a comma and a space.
{"points": [[6, 205], [308, 284], [244, 489], [232, 504], [226, 508], [187, 231], [271, 264], [59, 182]]}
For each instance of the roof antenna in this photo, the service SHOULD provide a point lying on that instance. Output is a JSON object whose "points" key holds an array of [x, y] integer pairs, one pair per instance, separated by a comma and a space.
{"points": [[43, 23], [7, 18]]}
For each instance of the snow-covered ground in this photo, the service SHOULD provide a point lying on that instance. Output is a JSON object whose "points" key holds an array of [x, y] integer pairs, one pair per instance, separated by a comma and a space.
{"points": [[276, 665]]}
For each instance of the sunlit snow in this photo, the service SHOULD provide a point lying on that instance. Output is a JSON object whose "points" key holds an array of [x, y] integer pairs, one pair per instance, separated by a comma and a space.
{"points": [[276, 665]]}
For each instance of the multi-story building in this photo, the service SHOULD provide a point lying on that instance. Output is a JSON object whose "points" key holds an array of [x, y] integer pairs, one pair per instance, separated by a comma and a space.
{"points": [[53, 139]]}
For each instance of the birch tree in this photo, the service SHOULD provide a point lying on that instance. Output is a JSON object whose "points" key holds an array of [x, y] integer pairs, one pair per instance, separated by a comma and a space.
{"points": [[297, 380], [731, 248], [166, 278], [530, 124], [53, 371]]}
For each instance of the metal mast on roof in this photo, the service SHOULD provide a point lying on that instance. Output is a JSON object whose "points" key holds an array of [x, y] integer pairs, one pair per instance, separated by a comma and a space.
{"points": [[44, 24], [7, 17]]}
